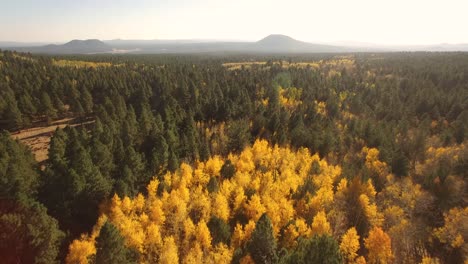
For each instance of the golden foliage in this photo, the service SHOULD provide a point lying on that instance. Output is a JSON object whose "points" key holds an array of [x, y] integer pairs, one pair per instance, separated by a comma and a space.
{"points": [[302, 195], [169, 252], [455, 230], [221, 254], [429, 260], [80, 250], [320, 225], [373, 163], [247, 260], [350, 245], [380, 247], [80, 64]]}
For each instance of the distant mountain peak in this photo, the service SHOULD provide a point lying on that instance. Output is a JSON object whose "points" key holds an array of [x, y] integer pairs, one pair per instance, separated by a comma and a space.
{"points": [[86, 42], [277, 38], [75, 46], [84, 46], [281, 43]]}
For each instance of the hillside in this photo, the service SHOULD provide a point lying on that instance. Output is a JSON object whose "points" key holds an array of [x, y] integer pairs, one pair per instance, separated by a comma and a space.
{"points": [[286, 44], [269, 44], [274, 43], [73, 47]]}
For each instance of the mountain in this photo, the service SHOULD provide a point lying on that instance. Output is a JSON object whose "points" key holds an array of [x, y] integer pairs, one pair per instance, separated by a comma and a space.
{"points": [[73, 47], [79, 47], [271, 44], [284, 44]]}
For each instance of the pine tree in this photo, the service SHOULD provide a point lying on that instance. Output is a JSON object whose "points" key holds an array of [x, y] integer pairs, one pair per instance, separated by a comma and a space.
{"points": [[220, 231], [110, 247], [28, 234], [262, 244], [321, 249]]}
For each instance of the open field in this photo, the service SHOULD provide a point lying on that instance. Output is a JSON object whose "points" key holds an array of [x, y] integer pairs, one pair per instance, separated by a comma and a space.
{"points": [[336, 62], [82, 64], [38, 138]]}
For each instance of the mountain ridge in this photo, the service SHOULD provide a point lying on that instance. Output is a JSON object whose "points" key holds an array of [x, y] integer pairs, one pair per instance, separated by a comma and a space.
{"points": [[274, 43], [75, 46]]}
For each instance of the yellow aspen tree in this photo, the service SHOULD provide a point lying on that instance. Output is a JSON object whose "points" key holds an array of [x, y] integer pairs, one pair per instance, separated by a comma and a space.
{"points": [[320, 225], [194, 256], [245, 162], [455, 230], [254, 208], [187, 236], [133, 232], [152, 189], [247, 260], [260, 151], [248, 230], [183, 193], [127, 205], [186, 172], [167, 179], [144, 219], [243, 179], [221, 254], [80, 250], [115, 211], [203, 236], [213, 166], [281, 212], [371, 211], [350, 245], [429, 260], [373, 162], [360, 260], [302, 228], [169, 254], [220, 207], [237, 237], [153, 237], [175, 210], [379, 245], [200, 204], [200, 177], [156, 212], [290, 236]]}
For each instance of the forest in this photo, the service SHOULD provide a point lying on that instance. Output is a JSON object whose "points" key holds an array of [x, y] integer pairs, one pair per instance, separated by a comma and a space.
{"points": [[306, 158]]}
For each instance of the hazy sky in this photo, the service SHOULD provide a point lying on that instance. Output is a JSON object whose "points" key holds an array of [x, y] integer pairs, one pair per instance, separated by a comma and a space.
{"points": [[377, 21]]}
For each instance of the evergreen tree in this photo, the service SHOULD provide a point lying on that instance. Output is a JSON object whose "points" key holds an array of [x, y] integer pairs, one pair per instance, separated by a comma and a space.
{"points": [[19, 177], [28, 234], [110, 247], [219, 230], [321, 249], [262, 244], [228, 170]]}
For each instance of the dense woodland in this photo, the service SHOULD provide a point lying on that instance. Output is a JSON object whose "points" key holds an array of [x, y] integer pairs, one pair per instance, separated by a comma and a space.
{"points": [[324, 158]]}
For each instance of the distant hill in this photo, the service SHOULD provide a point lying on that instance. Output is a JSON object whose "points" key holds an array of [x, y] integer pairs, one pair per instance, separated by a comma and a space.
{"points": [[271, 44], [284, 44], [73, 47]]}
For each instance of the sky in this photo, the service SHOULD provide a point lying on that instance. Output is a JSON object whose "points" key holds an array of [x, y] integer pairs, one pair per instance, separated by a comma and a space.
{"points": [[373, 21]]}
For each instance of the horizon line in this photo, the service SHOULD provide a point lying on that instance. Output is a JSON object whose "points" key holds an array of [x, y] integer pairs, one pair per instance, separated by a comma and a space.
{"points": [[330, 42]]}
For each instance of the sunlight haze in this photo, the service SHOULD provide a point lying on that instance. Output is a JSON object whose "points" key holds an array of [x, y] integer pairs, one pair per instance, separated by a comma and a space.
{"points": [[382, 22]]}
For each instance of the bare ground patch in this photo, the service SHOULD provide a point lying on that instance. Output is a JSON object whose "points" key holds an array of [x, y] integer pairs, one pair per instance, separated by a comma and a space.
{"points": [[38, 138]]}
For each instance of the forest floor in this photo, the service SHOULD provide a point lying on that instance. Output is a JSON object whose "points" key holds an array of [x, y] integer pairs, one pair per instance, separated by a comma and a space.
{"points": [[38, 137]]}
